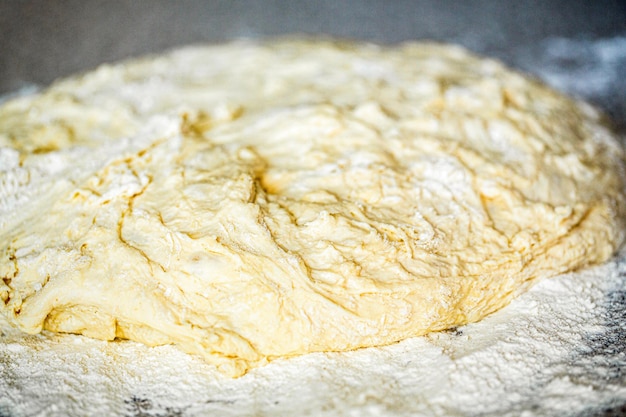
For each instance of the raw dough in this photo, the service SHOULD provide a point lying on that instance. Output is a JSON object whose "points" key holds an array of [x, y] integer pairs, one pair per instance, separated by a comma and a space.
{"points": [[251, 201]]}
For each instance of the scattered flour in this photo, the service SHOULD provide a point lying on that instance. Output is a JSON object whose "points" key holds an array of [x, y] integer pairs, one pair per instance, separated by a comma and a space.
{"points": [[538, 356]]}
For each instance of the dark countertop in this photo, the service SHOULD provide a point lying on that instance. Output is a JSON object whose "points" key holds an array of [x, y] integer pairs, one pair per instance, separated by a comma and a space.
{"points": [[42, 40]]}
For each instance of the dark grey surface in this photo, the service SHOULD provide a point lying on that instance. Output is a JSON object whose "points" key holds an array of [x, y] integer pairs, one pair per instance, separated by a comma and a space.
{"points": [[42, 40]]}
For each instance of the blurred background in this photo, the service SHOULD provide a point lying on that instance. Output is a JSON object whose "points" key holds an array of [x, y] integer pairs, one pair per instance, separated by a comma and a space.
{"points": [[578, 46]]}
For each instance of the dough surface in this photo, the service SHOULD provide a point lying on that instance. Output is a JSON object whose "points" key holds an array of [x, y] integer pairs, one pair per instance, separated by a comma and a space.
{"points": [[250, 201]]}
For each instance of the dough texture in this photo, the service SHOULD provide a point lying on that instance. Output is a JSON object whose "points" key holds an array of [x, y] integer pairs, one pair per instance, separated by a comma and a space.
{"points": [[249, 201]]}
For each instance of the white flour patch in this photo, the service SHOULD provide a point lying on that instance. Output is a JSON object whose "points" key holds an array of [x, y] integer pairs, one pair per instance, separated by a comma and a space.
{"points": [[539, 356], [586, 68]]}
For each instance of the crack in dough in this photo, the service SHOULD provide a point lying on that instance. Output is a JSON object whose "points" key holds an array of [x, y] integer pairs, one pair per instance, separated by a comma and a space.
{"points": [[254, 201]]}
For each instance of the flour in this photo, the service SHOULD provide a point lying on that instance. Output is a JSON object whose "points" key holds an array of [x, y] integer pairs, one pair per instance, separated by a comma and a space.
{"points": [[556, 350], [589, 68], [539, 353]]}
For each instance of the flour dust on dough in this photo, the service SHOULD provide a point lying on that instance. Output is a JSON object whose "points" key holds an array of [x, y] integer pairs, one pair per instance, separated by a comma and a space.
{"points": [[250, 201]]}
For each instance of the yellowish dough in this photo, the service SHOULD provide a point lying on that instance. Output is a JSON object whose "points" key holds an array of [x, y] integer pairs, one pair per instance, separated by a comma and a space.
{"points": [[252, 201]]}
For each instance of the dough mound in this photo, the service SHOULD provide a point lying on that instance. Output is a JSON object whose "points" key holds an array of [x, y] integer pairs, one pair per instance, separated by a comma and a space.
{"points": [[250, 201]]}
